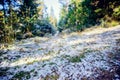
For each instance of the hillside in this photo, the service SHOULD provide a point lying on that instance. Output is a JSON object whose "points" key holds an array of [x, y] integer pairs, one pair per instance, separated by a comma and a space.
{"points": [[91, 55]]}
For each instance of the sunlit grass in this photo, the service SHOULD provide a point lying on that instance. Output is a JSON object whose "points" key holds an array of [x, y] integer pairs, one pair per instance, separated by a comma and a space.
{"points": [[40, 39], [98, 30], [31, 60], [112, 23]]}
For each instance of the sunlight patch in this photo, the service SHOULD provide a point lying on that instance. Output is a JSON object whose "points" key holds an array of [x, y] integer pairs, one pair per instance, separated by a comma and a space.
{"points": [[30, 60]]}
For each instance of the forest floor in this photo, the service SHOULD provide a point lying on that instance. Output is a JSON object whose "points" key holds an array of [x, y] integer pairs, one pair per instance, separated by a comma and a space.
{"points": [[93, 54]]}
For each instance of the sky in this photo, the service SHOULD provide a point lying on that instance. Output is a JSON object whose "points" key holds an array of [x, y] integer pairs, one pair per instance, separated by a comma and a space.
{"points": [[55, 5], [51, 4], [1, 7]]}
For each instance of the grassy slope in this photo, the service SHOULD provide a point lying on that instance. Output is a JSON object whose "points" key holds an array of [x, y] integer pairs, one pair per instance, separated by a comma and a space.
{"points": [[92, 55]]}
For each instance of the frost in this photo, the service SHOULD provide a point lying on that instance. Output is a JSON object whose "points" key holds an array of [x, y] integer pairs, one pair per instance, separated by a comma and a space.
{"points": [[43, 57]]}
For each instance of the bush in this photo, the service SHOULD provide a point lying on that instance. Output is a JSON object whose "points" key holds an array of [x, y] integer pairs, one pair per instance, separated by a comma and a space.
{"points": [[43, 27]]}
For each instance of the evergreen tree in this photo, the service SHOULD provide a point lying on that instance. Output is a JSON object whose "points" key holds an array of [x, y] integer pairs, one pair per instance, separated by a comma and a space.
{"points": [[83, 13]]}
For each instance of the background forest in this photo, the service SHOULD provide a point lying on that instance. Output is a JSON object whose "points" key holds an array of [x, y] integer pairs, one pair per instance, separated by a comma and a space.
{"points": [[20, 19]]}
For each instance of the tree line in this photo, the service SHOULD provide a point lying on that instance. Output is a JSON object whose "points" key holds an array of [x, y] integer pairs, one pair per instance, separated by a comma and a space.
{"points": [[18, 19], [79, 14], [26, 18]]}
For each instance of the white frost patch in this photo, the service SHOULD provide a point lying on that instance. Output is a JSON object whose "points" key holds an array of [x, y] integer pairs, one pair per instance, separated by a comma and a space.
{"points": [[4, 64]]}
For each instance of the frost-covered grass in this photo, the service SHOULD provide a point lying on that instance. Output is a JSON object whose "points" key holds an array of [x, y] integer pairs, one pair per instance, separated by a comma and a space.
{"points": [[75, 56]]}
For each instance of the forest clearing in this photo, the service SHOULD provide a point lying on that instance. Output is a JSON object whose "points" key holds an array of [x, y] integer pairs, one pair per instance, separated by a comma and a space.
{"points": [[93, 54]]}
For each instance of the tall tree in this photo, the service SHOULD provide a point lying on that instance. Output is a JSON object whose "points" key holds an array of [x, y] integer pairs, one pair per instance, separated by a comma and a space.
{"points": [[15, 12]]}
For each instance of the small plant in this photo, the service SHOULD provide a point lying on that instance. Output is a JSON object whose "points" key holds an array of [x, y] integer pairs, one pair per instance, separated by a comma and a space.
{"points": [[114, 23], [41, 49], [88, 50], [52, 63], [44, 65], [32, 70], [103, 23], [65, 56], [76, 58]]}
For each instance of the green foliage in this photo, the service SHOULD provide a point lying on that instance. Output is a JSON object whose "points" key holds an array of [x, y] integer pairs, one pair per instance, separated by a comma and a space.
{"points": [[19, 24], [6, 30], [82, 14], [78, 15], [116, 12], [28, 15], [44, 27], [74, 58], [10, 23]]}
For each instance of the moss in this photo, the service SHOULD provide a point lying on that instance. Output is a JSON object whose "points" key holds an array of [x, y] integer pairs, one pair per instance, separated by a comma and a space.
{"points": [[76, 58], [52, 63], [32, 70], [18, 56], [41, 49], [50, 52], [21, 75], [43, 65]]}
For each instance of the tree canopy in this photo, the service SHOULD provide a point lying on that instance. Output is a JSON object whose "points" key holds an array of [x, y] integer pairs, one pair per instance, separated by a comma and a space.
{"points": [[18, 17], [83, 13]]}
